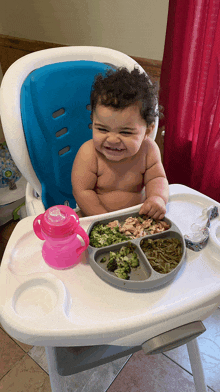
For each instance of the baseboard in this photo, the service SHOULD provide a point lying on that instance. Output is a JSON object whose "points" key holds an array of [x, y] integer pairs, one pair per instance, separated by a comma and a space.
{"points": [[12, 48], [25, 44]]}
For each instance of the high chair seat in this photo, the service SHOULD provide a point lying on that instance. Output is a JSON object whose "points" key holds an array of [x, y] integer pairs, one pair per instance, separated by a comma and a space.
{"points": [[45, 114], [56, 122]]}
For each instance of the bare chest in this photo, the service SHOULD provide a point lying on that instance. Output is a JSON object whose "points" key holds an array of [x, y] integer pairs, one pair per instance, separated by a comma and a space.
{"points": [[121, 176]]}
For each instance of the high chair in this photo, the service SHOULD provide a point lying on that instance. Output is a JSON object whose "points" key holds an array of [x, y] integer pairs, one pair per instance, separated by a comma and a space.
{"points": [[45, 111], [46, 117]]}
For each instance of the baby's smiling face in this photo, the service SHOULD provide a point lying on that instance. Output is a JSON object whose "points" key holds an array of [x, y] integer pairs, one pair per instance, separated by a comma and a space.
{"points": [[119, 134]]}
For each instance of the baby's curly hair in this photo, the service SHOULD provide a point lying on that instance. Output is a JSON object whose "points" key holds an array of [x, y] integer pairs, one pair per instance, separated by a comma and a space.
{"points": [[121, 88]]}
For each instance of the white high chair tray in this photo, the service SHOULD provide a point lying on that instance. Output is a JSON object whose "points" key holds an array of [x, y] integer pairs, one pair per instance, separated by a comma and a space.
{"points": [[43, 306]]}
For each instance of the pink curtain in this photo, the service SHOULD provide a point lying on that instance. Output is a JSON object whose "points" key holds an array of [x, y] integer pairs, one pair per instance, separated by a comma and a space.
{"points": [[190, 94]]}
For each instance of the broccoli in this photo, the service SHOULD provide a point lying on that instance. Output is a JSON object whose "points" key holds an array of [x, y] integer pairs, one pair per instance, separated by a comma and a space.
{"points": [[126, 267], [124, 251], [124, 263], [102, 235], [134, 263], [131, 247], [120, 263], [120, 273], [103, 260], [112, 265]]}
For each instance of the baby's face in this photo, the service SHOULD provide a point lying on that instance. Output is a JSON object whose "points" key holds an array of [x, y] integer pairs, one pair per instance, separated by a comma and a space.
{"points": [[118, 134]]}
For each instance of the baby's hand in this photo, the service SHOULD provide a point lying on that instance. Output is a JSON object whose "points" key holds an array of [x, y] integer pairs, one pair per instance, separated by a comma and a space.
{"points": [[154, 207]]}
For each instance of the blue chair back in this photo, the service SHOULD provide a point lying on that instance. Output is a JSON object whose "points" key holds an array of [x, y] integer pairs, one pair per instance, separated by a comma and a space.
{"points": [[56, 122]]}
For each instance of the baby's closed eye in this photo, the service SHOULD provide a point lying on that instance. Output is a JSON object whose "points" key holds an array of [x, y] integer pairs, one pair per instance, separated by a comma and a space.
{"points": [[125, 133], [122, 132]]}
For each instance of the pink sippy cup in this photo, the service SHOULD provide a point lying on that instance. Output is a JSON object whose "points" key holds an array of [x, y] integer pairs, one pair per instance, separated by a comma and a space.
{"points": [[59, 226]]}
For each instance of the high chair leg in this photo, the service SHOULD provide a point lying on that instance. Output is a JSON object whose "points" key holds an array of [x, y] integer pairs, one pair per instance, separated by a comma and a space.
{"points": [[56, 381], [196, 365]]}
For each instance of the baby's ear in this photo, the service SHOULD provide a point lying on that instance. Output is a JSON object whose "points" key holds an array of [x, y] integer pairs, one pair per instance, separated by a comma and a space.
{"points": [[150, 129]]}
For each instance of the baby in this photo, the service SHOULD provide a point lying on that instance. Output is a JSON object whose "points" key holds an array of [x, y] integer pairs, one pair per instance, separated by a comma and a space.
{"points": [[121, 166]]}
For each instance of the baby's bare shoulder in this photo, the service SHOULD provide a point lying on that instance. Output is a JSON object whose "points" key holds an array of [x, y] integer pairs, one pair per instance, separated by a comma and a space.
{"points": [[152, 151], [87, 149], [87, 152], [150, 144], [86, 156]]}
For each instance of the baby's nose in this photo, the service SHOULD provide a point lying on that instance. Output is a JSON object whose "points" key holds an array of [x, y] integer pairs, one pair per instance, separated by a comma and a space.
{"points": [[113, 138]]}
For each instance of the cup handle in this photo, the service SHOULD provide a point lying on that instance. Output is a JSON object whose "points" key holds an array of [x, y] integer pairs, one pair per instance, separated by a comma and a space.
{"points": [[85, 238], [37, 226]]}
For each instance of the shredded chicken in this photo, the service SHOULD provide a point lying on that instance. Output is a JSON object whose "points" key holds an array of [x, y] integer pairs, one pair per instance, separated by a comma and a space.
{"points": [[115, 223], [135, 229]]}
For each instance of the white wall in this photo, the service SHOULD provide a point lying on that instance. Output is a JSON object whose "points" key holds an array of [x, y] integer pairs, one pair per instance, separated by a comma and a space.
{"points": [[135, 27]]}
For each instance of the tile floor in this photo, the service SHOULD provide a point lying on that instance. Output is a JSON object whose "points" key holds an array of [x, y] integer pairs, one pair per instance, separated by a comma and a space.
{"points": [[23, 368]]}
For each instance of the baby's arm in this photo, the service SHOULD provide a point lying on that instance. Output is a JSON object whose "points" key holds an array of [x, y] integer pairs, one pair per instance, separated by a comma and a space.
{"points": [[156, 184], [83, 180]]}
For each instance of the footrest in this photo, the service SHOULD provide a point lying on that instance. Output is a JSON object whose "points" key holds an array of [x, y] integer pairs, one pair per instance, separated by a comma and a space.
{"points": [[72, 360], [174, 338]]}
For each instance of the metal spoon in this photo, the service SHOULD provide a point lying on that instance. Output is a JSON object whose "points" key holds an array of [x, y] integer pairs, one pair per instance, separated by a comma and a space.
{"points": [[197, 240]]}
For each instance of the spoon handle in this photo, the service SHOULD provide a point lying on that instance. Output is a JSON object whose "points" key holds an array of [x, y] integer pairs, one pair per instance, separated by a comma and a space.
{"points": [[212, 214]]}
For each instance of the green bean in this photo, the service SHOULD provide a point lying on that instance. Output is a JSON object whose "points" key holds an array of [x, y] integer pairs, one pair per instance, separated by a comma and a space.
{"points": [[163, 254]]}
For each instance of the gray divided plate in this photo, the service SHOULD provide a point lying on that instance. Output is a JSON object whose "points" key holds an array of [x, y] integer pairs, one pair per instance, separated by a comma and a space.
{"points": [[144, 276]]}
